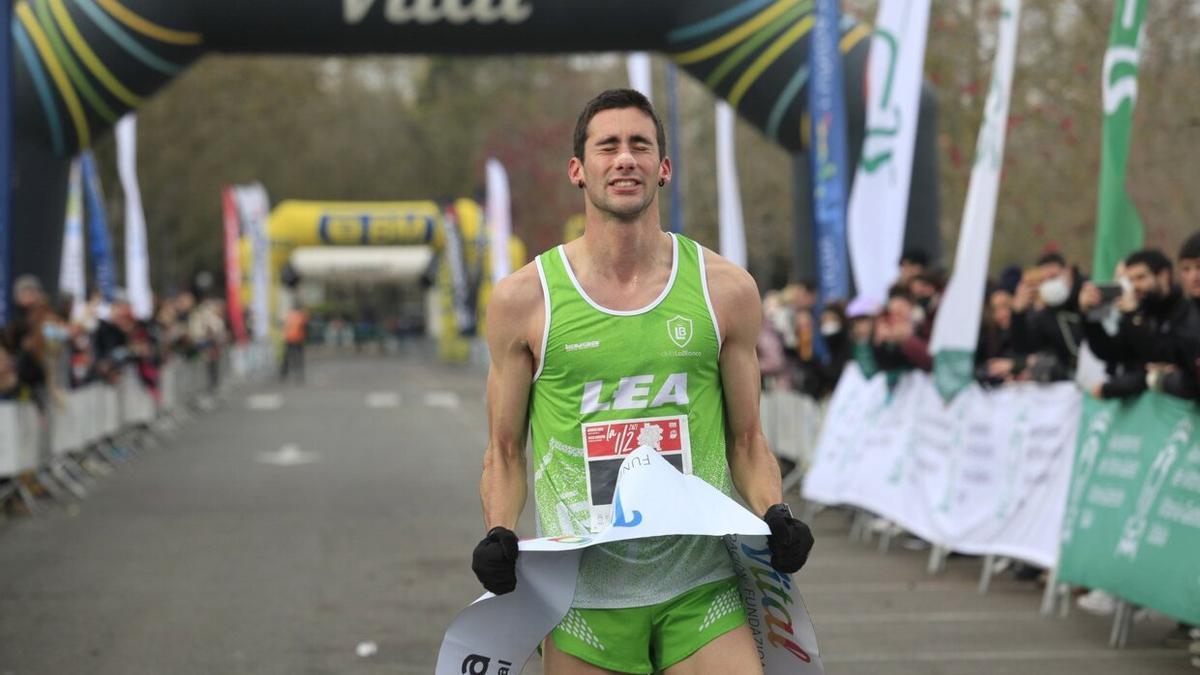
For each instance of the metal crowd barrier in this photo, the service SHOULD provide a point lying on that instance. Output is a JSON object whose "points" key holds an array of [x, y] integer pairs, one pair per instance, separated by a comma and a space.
{"points": [[100, 423], [791, 422]]}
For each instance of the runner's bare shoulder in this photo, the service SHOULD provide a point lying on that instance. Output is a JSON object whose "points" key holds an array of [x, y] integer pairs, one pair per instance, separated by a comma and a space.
{"points": [[733, 291], [516, 309]]}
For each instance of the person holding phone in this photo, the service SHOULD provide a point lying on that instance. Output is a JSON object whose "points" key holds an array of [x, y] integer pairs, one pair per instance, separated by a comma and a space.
{"points": [[1140, 353]]}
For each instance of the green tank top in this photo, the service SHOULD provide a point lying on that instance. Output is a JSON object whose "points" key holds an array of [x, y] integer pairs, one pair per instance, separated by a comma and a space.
{"points": [[608, 382]]}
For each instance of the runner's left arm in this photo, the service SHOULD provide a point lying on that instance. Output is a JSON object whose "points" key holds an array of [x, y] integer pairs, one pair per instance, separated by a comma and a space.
{"points": [[753, 467], [503, 487]]}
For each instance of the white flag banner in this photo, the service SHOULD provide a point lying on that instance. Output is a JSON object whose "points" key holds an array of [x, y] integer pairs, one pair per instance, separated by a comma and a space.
{"points": [[878, 209], [72, 275], [137, 259], [499, 219], [254, 208], [987, 473], [652, 499], [956, 326], [729, 194], [640, 78]]}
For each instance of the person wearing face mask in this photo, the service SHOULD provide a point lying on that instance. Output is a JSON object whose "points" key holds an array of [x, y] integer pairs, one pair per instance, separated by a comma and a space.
{"points": [[1146, 349], [1046, 322]]}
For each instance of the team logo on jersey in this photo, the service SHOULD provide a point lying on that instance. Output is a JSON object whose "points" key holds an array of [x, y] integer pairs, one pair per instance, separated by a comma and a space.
{"points": [[680, 330]]}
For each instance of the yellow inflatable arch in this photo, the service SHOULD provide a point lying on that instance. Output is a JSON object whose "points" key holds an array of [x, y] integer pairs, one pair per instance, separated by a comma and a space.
{"points": [[454, 232]]}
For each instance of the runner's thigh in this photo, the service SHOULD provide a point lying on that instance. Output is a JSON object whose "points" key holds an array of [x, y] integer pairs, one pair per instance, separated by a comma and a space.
{"points": [[733, 653], [557, 662]]}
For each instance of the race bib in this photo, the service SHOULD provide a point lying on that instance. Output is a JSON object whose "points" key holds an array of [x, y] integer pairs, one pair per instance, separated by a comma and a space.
{"points": [[606, 444]]}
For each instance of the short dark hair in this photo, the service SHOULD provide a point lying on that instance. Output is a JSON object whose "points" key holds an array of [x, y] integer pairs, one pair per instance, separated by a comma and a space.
{"points": [[914, 256], [1190, 248], [1152, 258], [615, 99], [900, 291], [1052, 258], [932, 277]]}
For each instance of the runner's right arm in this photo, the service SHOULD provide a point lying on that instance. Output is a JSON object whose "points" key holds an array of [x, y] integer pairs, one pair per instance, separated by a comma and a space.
{"points": [[514, 312]]}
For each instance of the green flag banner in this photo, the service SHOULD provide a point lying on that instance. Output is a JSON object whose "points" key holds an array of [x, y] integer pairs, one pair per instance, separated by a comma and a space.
{"points": [[1118, 227], [1132, 522]]}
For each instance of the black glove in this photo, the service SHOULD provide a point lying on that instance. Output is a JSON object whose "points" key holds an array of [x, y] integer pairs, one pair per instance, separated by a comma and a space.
{"points": [[790, 539], [495, 560]]}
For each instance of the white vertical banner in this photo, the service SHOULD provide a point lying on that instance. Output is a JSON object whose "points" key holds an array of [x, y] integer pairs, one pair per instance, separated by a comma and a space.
{"points": [[499, 219], [729, 196], [72, 276], [137, 259], [253, 209], [878, 208], [638, 65], [956, 327]]}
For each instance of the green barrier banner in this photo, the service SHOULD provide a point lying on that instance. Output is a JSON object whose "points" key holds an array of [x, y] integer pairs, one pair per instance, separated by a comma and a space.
{"points": [[1132, 524]]}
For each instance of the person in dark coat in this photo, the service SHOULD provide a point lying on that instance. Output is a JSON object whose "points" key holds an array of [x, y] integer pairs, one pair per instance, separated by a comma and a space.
{"points": [[1046, 324], [1151, 338]]}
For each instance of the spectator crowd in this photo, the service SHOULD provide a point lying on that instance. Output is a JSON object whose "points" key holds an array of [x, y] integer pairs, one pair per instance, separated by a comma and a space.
{"points": [[48, 347], [1144, 327]]}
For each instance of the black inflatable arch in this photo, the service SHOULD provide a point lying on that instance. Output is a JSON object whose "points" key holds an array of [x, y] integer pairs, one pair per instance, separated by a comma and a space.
{"points": [[80, 64]]}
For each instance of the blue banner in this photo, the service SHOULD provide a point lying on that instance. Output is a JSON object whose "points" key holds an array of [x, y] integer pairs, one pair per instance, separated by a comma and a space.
{"points": [[827, 152], [106, 279], [6, 109]]}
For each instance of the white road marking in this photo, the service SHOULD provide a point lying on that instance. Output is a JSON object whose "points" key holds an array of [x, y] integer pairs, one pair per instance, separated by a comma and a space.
{"points": [[288, 455], [264, 402], [442, 399], [383, 399]]}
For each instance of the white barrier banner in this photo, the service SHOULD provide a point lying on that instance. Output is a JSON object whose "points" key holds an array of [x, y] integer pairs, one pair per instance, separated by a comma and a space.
{"points": [[652, 499], [986, 473]]}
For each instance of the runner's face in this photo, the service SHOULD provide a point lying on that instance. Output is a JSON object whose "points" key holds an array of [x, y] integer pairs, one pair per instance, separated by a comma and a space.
{"points": [[621, 167]]}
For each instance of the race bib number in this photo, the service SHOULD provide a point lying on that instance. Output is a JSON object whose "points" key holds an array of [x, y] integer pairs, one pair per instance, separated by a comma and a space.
{"points": [[606, 444]]}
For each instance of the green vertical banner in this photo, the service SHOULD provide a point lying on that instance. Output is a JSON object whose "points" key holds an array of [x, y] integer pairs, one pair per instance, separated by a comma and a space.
{"points": [[1132, 523], [1118, 226]]}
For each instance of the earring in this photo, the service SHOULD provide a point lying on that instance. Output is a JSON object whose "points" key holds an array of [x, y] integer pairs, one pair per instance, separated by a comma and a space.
{"points": [[580, 185], [662, 182]]}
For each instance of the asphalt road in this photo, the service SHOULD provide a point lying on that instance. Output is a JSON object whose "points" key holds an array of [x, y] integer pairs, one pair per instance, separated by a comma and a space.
{"points": [[281, 531]]}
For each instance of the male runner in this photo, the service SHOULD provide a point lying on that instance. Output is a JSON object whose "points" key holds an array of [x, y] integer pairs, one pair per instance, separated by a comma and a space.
{"points": [[629, 336]]}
